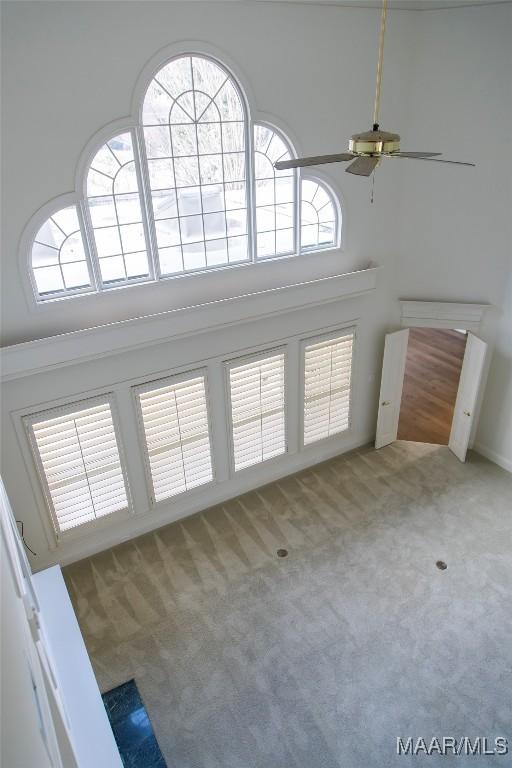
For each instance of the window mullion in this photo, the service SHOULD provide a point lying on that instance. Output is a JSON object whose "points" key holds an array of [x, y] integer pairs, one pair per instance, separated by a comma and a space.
{"points": [[251, 188], [298, 212], [91, 254], [148, 219]]}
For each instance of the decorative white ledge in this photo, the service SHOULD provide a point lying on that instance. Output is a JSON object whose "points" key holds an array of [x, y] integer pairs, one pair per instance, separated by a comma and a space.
{"points": [[442, 314], [70, 348]]}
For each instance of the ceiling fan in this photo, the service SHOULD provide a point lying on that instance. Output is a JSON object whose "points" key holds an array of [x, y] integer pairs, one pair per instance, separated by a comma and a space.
{"points": [[366, 149]]}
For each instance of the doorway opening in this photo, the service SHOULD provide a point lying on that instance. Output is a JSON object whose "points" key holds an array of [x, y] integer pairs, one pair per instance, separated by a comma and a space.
{"points": [[431, 380]]}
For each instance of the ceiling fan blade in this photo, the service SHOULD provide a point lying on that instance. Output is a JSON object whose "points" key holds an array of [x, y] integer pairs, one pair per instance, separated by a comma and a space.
{"points": [[431, 160], [302, 162], [363, 166], [419, 155]]}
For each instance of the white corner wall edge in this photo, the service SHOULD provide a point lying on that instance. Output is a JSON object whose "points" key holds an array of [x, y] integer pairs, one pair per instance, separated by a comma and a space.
{"points": [[497, 458], [66, 349], [93, 739], [441, 314]]}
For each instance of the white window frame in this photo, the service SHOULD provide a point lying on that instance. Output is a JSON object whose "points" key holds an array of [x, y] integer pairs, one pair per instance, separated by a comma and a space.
{"points": [[134, 126], [149, 386], [320, 179], [82, 228], [296, 202], [318, 339], [27, 241], [93, 148], [249, 169], [235, 362], [63, 410]]}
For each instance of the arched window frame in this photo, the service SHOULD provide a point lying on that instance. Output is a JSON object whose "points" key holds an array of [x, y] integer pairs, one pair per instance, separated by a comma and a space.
{"points": [[99, 140], [28, 237], [295, 174], [323, 182], [140, 94], [134, 126]]}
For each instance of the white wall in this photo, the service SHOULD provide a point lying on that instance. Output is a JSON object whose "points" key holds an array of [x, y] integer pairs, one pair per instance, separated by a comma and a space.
{"points": [[438, 231], [74, 67], [118, 373], [71, 68], [455, 233], [494, 437]]}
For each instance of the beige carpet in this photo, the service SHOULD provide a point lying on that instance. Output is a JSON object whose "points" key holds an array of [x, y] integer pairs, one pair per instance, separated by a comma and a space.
{"points": [[320, 659]]}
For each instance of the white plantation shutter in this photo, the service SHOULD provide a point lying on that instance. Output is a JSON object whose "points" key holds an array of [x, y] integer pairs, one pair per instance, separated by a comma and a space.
{"points": [[175, 421], [257, 410], [80, 462], [327, 376]]}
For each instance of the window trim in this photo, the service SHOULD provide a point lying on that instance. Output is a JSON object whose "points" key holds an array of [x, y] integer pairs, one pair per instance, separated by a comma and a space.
{"points": [[133, 124], [149, 386], [234, 362], [82, 228], [296, 175], [27, 240], [93, 147], [339, 236], [249, 159], [62, 410], [317, 339]]}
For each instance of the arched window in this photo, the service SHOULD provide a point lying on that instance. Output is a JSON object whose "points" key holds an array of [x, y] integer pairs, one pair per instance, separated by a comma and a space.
{"points": [[188, 186], [195, 139], [59, 263], [319, 220], [116, 214], [275, 195]]}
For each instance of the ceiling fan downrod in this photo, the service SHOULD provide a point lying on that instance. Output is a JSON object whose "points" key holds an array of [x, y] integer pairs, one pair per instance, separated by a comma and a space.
{"points": [[380, 60], [376, 143]]}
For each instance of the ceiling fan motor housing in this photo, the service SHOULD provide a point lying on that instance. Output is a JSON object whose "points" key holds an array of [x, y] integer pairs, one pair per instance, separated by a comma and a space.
{"points": [[374, 143]]}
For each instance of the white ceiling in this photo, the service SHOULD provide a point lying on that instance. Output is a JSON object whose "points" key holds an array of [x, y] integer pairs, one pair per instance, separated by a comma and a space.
{"points": [[410, 5]]}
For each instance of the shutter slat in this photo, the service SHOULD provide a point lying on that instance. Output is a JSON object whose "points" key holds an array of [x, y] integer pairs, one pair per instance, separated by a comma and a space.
{"points": [[189, 423], [56, 457], [155, 414], [80, 459], [257, 410], [177, 432], [327, 383], [46, 426], [162, 447], [170, 463], [171, 479], [81, 504], [78, 490], [47, 437]]}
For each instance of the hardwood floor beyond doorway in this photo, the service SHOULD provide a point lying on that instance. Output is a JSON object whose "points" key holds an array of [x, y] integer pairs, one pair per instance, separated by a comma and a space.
{"points": [[432, 373]]}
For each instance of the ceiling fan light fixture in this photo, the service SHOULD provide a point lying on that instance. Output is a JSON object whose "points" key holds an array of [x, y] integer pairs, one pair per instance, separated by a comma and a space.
{"points": [[374, 142]]}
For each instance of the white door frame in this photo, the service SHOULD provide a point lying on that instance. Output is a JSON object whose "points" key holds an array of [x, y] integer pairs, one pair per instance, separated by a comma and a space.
{"points": [[441, 314], [415, 313]]}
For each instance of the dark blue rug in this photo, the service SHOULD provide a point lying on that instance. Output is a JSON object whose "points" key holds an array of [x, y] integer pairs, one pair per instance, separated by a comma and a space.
{"points": [[132, 727]]}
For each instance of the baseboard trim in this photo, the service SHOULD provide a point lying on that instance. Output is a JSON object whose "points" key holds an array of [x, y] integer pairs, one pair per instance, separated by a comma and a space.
{"points": [[148, 521], [497, 458]]}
